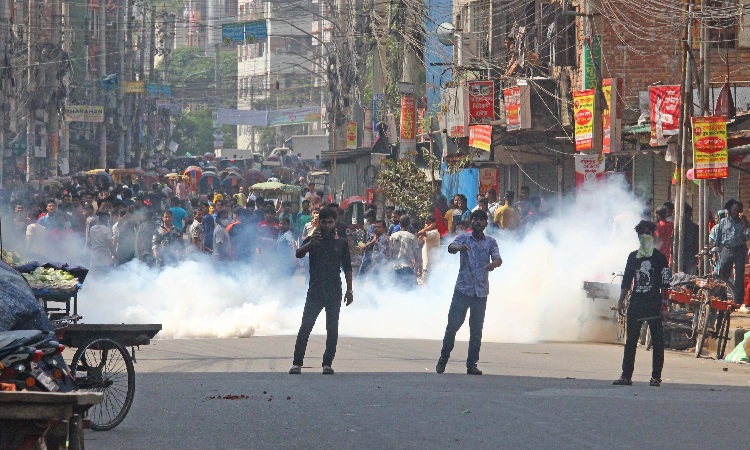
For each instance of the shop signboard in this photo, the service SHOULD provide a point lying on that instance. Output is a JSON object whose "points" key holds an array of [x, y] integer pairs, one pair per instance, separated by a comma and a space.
{"points": [[480, 136], [710, 154], [589, 171], [84, 113], [481, 102]]}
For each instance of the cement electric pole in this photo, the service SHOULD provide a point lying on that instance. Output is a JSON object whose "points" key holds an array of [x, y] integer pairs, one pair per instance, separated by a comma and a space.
{"points": [[102, 72]]}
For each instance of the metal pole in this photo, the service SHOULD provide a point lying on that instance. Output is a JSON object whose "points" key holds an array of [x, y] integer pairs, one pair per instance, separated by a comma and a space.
{"points": [[30, 114], [687, 105], [120, 89], [103, 72], [702, 189]]}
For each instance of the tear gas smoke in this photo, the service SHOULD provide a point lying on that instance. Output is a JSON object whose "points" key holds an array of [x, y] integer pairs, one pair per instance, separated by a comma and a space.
{"points": [[536, 295]]}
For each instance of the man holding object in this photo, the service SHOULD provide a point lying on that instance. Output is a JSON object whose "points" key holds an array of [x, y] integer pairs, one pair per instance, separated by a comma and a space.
{"points": [[328, 255], [479, 257]]}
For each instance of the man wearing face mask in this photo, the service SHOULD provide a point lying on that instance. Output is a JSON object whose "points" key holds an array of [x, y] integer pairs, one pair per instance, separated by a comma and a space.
{"points": [[646, 278], [329, 254]]}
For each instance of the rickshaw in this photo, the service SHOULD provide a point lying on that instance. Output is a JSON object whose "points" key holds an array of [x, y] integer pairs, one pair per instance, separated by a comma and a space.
{"points": [[209, 182], [254, 176], [126, 176], [194, 174], [272, 190]]}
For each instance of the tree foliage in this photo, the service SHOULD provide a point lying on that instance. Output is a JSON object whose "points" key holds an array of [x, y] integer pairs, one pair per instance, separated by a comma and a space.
{"points": [[406, 186], [194, 132]]}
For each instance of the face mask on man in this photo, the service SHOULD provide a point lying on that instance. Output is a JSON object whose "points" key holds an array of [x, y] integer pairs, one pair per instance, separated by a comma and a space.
{"points": [[224, 222], [646, 247]]}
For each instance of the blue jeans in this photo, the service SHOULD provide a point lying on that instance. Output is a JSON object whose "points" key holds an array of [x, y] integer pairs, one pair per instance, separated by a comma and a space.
{"points": [[460, 304]]}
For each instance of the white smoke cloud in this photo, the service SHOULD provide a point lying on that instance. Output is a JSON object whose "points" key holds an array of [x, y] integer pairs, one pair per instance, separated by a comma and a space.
{"points": [[537, 294]]}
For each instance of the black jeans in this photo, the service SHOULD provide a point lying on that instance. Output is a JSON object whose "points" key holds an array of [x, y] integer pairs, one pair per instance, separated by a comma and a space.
{"points": [[640, 310], [734, 258], [310, 314], [460, 304]]}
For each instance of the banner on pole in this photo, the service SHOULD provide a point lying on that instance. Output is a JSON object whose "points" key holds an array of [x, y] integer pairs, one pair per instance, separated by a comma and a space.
{"points": [[84, 113], [665, 113], [378, 113], [408, 123], [583, 115], [480, 136], [710, 154], [589, 171], [592, 59], [481, 102], [294, 116], [351, 135]]}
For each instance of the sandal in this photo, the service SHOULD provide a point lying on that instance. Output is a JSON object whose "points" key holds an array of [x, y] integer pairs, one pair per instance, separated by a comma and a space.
{"points": [[654, 382], [622, 381]]}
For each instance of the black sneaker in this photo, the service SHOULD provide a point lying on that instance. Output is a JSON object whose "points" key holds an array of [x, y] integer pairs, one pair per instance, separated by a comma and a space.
{"points": [[654, 382], [295, 370], [473, 370], [327, 370], [440, 367]]}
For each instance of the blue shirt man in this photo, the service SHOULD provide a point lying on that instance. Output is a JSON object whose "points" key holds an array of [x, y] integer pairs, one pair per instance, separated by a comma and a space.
{"points": [[479, 256]]}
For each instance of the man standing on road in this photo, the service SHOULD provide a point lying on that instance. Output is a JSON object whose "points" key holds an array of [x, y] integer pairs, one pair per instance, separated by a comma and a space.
{"points": [[479, 257], [646, 277], [731, 236], [328, 256]]}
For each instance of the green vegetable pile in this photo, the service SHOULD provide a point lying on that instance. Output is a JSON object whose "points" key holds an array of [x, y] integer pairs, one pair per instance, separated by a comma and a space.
{"points": [[11, 257], [42, 278]]}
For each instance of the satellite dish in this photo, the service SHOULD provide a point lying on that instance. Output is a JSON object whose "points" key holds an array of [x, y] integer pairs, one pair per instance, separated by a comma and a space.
{"points": [[445, 32]]}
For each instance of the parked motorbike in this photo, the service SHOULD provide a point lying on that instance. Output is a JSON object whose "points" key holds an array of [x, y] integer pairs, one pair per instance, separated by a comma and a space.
{"points": [[32, 360]]}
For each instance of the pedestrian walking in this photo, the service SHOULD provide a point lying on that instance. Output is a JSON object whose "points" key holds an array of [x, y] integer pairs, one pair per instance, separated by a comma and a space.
{"points": [[479, 257], [731, 235], [329, 255], [646, 278]]}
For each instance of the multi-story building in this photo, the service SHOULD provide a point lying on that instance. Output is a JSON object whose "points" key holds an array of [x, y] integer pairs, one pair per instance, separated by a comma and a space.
{"points": [[548, 45], [278, 72]]}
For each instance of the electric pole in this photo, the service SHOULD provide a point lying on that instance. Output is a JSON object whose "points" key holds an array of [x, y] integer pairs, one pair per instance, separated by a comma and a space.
{"points": [[121, 111], [30, 113], [102, 73]]}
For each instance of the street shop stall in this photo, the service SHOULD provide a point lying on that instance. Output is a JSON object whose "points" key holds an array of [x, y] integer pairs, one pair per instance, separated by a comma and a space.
{"points": [[102, 362]]}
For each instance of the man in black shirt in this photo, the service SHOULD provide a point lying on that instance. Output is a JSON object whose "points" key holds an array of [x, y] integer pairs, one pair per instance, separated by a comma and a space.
{"points": [[646, 278], [329, 254]]}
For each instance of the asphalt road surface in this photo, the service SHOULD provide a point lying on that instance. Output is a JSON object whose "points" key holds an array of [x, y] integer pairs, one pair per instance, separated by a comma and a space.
{"points": [[386, 394]]}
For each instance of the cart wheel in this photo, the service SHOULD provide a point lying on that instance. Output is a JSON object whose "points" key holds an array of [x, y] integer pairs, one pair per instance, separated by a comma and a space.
{"points": [[104, 365], [701, 324]]}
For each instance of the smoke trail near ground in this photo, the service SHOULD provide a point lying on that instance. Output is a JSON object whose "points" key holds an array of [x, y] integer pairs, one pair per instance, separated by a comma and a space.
{"points": [[537, 294]]}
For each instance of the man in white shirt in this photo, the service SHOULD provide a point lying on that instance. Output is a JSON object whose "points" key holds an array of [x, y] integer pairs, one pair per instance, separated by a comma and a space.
{"points": [[403, 247]]}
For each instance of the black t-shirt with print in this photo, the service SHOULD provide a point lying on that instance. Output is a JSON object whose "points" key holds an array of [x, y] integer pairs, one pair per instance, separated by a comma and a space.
{"points": [[645, 277]]}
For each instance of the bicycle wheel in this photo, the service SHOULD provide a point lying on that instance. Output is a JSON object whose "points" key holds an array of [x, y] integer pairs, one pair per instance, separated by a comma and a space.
{"points": [[722, 333], [104, 365], [701, 324]]}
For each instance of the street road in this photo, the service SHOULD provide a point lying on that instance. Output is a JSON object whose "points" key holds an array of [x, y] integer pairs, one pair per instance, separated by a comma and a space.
{"points": [[386, 394]]}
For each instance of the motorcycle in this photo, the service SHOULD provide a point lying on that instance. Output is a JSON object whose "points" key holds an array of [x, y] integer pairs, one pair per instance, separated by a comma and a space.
{"points": [[32, 360]]}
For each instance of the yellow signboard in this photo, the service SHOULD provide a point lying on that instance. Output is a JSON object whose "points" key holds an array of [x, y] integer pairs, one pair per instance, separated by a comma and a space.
{"points": [[710, 154], [134, 87], [84, 113], [583, 114]]}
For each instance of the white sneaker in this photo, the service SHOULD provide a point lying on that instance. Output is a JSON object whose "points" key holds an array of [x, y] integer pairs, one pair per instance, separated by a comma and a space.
{"points": [[744, 309]]}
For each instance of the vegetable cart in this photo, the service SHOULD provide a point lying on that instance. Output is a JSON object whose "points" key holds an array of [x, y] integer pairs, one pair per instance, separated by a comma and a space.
{"points": [[102, 362]]}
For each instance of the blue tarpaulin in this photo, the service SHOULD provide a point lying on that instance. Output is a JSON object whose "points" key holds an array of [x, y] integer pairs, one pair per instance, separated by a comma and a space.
{"points": [[465, 181]]}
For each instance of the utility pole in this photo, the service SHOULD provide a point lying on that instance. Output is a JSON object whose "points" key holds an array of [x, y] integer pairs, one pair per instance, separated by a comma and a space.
{"points": [[130, 99], [687, 106], [702, 191], [121, 110], [149, 113], [30, 113], [102, 73], [4, 33], [409, 75]]}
